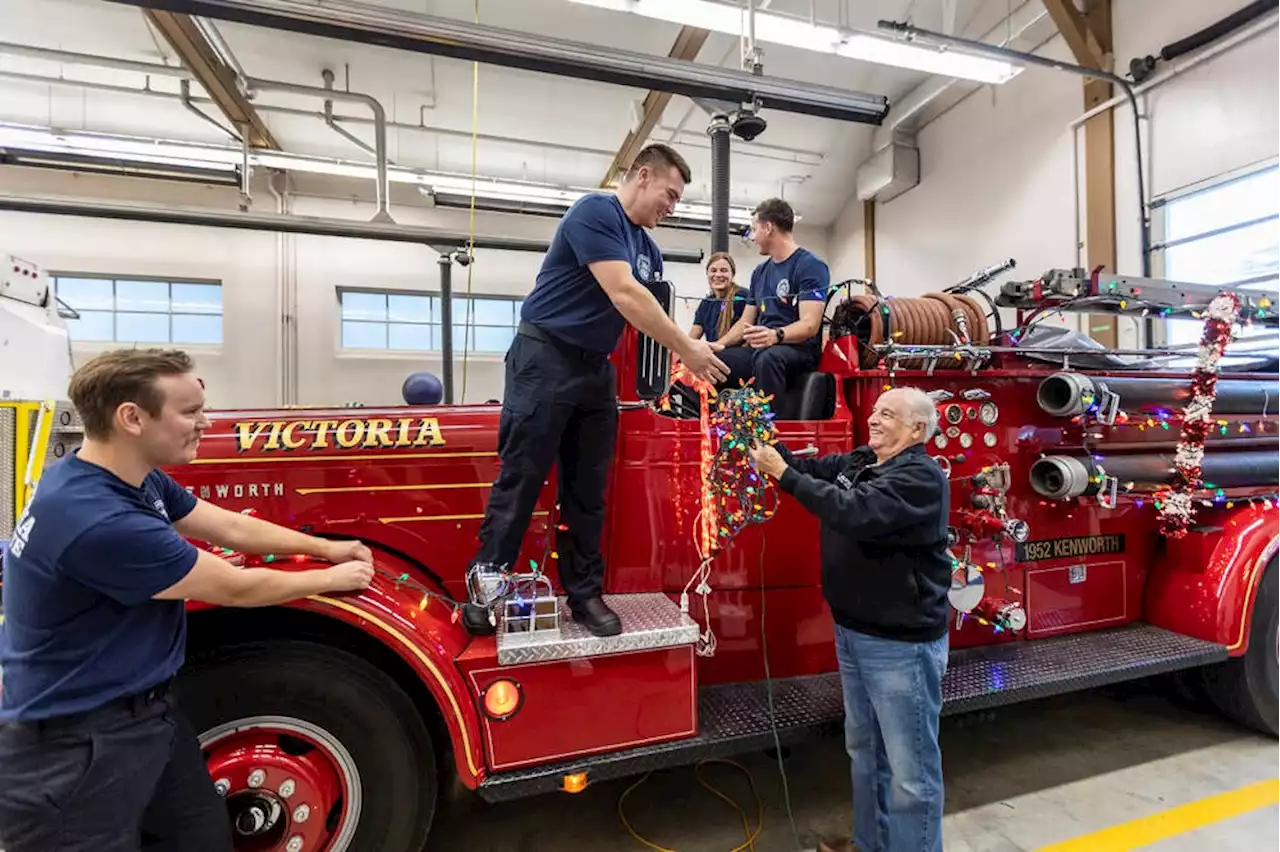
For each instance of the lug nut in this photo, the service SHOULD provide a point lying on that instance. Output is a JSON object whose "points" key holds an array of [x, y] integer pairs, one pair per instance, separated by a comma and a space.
{"points": [[257, 777], [294, 844], [222, 786], [287, 788], [301, 812]]}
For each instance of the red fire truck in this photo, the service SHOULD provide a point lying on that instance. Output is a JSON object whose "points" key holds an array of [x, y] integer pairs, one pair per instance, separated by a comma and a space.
{"points": [[333, 722]]}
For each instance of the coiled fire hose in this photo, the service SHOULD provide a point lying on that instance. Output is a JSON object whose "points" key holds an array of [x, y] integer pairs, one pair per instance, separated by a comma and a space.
{"points": [[934, 319]]}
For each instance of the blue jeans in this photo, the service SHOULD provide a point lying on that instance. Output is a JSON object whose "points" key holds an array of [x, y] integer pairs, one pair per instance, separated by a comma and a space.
{"points": [[892, 700]]}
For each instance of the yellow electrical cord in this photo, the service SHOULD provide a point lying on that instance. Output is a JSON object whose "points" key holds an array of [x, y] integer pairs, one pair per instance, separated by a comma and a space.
{"points": [[752, 834], [471, 247]]}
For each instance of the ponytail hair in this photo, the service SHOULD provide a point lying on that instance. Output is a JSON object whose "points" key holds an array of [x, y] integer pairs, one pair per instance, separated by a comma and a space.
{"points": [[726, 310]]}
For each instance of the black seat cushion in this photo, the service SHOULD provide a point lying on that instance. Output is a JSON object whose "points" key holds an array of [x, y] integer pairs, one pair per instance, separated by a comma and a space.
{"points": [[811, 396]]}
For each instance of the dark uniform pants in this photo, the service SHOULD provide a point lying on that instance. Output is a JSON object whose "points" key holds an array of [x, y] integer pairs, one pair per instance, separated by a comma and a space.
{"points": [[123, 778], [772, 367], [559, 405]]}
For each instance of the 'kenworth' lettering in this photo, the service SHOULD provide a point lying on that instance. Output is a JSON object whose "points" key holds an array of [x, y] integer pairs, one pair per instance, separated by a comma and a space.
{"points": [[1069, 548], [364, 433]]}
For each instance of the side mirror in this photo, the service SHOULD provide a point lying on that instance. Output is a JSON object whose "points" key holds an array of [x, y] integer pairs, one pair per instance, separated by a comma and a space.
{"points": [[653, 360]]}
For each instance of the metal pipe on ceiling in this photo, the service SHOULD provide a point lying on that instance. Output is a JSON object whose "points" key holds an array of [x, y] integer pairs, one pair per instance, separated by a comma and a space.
{"points": [[70, 58], [379, 128], [420, 33], [440, 241]]}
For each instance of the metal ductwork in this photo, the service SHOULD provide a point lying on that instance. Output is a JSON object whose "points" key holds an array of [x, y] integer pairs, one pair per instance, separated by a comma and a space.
{"points": [[383, 27], [888, 173]]}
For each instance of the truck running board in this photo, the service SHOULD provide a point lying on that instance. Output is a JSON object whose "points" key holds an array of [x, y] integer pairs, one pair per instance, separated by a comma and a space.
{"points": [[735, 718]]}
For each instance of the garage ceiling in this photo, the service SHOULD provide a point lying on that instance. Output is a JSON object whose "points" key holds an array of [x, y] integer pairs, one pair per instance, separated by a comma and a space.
{"points": [[531, 126]]}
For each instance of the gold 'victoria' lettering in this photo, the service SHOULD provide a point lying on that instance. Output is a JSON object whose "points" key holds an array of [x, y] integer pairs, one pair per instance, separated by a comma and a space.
{"points": [[1069, 548], [363, 433]]}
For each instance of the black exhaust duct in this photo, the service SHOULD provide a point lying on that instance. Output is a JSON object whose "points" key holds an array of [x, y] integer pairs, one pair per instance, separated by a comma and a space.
{"points": [[1067, 394], [719, 132], [1064, 477]]}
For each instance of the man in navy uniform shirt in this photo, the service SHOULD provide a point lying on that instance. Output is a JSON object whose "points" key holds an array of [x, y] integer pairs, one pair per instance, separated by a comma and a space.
{"points": [[782, 322], [560, 398], [94, 757]]}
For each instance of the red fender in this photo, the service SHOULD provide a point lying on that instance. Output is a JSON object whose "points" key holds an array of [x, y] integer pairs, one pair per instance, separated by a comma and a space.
{"points": [[1204, 585], [426, 638]]}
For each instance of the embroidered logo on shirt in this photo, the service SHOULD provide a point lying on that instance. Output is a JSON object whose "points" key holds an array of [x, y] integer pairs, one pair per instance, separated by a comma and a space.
{"points": [[783, 291], [159, 504], [644, 268], [844, 482]]}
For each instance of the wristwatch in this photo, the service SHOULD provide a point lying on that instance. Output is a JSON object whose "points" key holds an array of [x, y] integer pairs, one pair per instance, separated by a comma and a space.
{"points": [[782, 335]]}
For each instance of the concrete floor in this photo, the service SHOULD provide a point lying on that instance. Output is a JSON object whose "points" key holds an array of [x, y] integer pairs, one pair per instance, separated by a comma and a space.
{"points": [[1020, 778]]}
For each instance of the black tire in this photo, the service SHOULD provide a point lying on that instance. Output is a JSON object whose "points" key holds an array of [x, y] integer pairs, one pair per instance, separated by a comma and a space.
{"points": [[360, 706], [1245, 688]]}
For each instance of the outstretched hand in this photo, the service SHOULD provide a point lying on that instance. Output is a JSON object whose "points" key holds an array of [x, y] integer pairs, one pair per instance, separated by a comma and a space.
{"points": [[701, 360], [767, 460]]}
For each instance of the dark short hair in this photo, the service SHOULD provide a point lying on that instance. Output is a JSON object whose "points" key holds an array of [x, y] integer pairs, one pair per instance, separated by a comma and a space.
{"points": [[658, 154], [777, 212], [111, 379]]}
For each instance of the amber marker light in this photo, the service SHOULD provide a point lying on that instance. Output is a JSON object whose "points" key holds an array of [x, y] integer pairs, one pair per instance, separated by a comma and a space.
{"points": [[502, 699], [575, 783]]}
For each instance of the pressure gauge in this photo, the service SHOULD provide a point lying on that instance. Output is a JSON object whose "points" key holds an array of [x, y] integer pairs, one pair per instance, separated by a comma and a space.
{"points": [[989, 413], [972, 414], [954, 413], [953, 431], [940, 442], [989, 439], [966, 440]]}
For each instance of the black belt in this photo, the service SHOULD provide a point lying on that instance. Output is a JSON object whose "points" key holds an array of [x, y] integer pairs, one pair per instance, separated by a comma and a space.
{"points": [[129, 704], [531, 330]]}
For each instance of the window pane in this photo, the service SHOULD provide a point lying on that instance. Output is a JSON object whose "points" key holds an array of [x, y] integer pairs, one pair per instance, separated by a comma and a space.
{"points": [[461, 310], [492, 312], [1226, 258], [364, 335], [487, 339], [408, 308], [86, 294], [197, 328], [364, 306], [404, 336], [92, 325], [1248, 198], [196, 299], [142, 328], [143, 296]]}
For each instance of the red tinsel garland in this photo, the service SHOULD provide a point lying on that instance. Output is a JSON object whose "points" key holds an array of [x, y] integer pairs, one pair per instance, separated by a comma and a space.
{"points": [[1175, 505]]}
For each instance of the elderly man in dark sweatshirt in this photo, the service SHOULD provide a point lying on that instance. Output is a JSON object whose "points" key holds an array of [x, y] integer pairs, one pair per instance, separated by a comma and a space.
{"points": [[885, 574]]}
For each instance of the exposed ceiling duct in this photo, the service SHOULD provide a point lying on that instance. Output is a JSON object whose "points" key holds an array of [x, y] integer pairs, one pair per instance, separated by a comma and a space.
{"points": [[513, 49]]}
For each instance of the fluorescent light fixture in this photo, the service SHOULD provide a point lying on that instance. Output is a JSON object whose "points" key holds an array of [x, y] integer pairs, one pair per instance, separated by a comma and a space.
{"points": [[228, 158], [822, 38]]}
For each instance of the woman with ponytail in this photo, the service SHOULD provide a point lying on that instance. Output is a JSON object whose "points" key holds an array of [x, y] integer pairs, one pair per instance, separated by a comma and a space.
{"points": [[720, 310]]}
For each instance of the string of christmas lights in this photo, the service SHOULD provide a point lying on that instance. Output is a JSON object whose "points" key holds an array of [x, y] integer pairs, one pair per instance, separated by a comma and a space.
{"points": [[733, 495], [1175, 506]]}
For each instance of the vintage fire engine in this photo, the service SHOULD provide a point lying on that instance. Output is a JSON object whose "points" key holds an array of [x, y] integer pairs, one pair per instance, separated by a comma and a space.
{"points": [[334, 722]]}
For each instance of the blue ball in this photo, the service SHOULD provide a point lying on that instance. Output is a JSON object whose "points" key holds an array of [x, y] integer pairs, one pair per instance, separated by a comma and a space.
{"points": [[422, 389]]}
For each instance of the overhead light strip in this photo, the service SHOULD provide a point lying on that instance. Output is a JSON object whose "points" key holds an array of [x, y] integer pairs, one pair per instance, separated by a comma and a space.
{"points": [[228, 158], [821, 38]]}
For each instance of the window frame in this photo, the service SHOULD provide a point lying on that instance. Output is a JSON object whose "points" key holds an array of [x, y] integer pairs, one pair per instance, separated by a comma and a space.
{"points": [[434, 323], [56, 276], [1157, 253]]}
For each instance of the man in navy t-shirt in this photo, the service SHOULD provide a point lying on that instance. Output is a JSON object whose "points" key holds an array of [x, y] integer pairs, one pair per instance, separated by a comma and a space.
{"points": [[782, 322], [93, 756], [560, 397]]}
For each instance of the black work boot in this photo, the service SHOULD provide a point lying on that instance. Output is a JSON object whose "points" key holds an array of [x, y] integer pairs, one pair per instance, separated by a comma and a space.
{"points": [[598, 618]]}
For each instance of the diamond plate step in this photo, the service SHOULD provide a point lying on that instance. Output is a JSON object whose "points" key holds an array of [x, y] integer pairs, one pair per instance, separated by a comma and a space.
{"points": [[735, 718], [648, 621]]}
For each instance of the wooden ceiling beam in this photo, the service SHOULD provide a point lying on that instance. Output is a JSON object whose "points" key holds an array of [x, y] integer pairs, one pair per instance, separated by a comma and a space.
{"points": [[202, 60], [687, 45], [1088, 34]]}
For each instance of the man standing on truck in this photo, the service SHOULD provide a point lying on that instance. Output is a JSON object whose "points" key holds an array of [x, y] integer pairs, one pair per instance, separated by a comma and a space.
{"points": [[883, 509], [560, 396], [94, 756], [781, 324]]}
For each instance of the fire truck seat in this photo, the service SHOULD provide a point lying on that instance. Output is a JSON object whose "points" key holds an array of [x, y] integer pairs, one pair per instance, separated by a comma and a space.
{"points": [[812, 396]]}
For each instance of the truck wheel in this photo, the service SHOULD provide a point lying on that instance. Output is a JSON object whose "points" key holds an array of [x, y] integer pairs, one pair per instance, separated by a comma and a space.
{"points": [[1245, 688], [313, 749]]}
